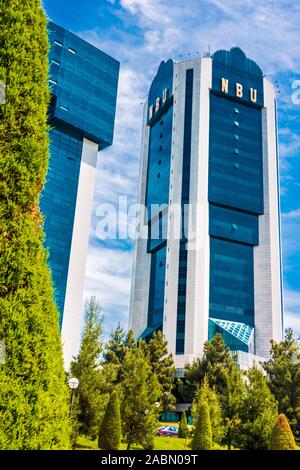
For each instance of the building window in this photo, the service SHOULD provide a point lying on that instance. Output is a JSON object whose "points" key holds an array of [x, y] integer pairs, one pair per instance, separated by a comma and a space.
{"points": [[58, 43], [236, 123], [54, 61], [160, 148], [236, 111], [234, 227], [72, 50], [53, 82], [236, 137], [64, 108], [159, 162], [236, 165], [236, 151], [158, 175], [161, 135]]}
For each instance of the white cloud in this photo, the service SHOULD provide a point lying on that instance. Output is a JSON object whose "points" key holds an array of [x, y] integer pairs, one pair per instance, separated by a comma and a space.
{"points": [[295, 214], [108, 277], [292, 310]]}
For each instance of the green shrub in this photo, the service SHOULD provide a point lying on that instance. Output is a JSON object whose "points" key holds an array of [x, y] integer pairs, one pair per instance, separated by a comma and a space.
{"points": [[282, 437], [202, 439], [34, 397], [183, 430], [110, 429]]}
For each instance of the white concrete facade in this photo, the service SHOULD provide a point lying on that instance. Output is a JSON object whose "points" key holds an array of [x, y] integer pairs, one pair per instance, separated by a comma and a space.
{"points": [[267, 261], [72, 315], [197, 303], [139, 297]]}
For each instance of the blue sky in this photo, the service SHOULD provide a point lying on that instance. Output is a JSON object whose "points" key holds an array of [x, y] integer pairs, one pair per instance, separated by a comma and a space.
{"points": [[140, 33]]}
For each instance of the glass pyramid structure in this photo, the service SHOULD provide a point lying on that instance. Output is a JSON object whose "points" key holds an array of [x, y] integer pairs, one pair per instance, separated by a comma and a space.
{"points": [[237, 335]]}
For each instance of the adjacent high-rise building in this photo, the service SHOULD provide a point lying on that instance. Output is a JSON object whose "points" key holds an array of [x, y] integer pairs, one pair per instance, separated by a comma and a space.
{"points": [[209, 160], [83, 83]]}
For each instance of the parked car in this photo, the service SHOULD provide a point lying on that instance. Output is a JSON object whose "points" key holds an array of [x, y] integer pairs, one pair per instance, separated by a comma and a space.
{"points": [[168, 431], [159, 429]]}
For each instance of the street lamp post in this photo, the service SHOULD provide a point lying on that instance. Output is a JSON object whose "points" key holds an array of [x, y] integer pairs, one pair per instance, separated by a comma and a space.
{"points": [[73, 384]]}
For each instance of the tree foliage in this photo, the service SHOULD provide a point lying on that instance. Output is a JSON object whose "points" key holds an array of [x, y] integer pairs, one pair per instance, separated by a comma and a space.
{"points": [[258, 412], [205, 393], [162, 365], [141, 391], [214, 364], [115, 348], [33, 394], [283, 371], [110, 430], [183, 430], [202, 439], [282, 437], [86, 367]]}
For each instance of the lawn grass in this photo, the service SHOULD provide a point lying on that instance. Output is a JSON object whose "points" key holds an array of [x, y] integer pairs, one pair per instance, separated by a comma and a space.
{"points": [[160, 443]]}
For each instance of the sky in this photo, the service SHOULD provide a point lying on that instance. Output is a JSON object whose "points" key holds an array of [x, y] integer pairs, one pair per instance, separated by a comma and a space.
{"points": [[141, 33]]}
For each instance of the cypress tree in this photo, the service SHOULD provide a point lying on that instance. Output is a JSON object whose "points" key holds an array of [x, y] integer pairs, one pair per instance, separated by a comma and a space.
{"points": [[207, 394], [202, 439], [33, 394], [110, 429], [183, 430], [282, 437]]}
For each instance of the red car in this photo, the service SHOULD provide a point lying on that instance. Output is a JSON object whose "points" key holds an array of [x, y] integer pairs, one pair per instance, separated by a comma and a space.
{"points": [[168, 431]]}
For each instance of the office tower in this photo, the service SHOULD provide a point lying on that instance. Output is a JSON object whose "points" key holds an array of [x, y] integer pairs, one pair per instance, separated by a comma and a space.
{"points": [[83, 83], [209, 147]]}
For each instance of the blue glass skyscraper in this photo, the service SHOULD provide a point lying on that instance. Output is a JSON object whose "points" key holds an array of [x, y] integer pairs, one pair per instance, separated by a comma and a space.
{"points": [[209, 158], [83, 82]]}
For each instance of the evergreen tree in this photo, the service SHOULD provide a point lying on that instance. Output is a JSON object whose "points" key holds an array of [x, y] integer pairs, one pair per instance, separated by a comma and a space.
{"points": [[214, 364], [282, 437], [33, 394], [115, 348], [208, 395], [258, 412], [202, 439], [183, 430], [140, 394], [283, 371], [88, 370], [110, 430], [163, 366], [231, 402]]}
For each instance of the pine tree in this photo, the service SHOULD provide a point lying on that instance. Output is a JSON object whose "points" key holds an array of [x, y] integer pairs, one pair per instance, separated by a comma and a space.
{"points": [[282, 437], [162, 364], [86, 367], [231, 402], [33, 394], [258, 412], [115, 348], [183, 430], [207, 394], [214, 364], [110, 430], [283, 371], [202, 439], [139, 402]]}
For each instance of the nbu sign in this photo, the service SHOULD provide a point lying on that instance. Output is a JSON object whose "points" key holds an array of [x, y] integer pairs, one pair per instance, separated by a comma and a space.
{"points": [[239, 90], [159, 102]]}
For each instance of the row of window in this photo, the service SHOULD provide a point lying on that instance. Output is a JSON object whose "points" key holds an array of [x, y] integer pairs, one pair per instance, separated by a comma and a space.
{"points": [[60, 44]]}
